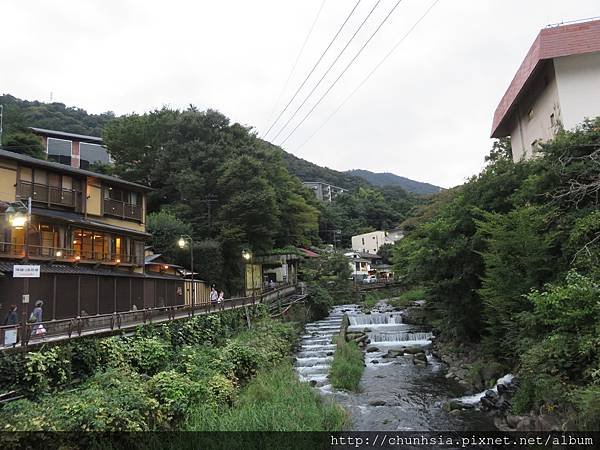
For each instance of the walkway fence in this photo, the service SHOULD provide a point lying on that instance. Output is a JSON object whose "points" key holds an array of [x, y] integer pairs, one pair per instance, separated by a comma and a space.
{"points": [[19, 336]]}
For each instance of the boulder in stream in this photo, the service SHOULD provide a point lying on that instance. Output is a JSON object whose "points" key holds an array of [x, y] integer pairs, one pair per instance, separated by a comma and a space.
{"points": [[377, 402], [413, 350], [372, 349]]}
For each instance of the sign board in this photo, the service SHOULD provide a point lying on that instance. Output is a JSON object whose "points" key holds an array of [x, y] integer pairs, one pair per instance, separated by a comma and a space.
{"points": [[26, 271], [25, 298]]}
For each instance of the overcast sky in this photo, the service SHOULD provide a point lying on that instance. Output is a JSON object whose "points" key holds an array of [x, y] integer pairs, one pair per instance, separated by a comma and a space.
{"points": [[425, 114]]}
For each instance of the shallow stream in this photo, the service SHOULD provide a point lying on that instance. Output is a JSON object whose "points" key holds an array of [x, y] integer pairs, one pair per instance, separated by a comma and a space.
{"points": [[395, 394]]}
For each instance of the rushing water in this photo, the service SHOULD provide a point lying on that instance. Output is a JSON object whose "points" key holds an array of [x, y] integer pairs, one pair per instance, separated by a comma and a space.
{"points": [[395, 394]]}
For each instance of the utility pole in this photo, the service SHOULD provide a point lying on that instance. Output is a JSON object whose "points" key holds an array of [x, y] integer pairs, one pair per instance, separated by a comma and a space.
{"points": [[208, 200]]}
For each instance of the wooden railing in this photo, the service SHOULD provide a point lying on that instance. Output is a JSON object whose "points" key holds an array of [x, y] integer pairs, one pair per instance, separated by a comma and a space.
{"points": [[101, 324], [48, 194], [122, 210]]}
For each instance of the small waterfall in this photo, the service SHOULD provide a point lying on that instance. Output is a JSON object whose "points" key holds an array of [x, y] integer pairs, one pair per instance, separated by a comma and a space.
{"points": [[376, 319], [400, 337]]}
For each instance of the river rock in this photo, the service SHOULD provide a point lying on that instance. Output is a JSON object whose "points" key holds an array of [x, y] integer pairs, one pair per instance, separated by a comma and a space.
{"points": [[487, 403], [372, 349], [420, 357], [502, 389], [451, 405], [492, 395], [413, 350], [394, 353], [330, 353], [547, 422], [375, 361], [313, 383], [360, 338], [455, 412], [526, 424], [377, 402], [513, 421]]}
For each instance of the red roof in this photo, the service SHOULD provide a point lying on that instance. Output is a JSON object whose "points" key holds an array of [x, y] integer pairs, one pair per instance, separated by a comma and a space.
{"points": [[308, 253], [552, 42]]}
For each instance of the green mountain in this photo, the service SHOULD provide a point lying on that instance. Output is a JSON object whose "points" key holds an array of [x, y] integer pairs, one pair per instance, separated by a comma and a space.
{"points": [[390, 179]]}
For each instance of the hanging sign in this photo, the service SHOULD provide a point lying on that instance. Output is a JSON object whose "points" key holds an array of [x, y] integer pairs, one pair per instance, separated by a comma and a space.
{"points": [[26, 271]]}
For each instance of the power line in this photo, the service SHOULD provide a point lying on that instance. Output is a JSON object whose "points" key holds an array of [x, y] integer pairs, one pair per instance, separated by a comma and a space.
{"points": [[343, 72], [312, 70], [298, 57], [327, 71], [370, 74]]}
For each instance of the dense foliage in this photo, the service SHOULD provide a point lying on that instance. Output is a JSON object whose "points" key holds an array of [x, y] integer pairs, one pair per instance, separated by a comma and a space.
{"points": [[228, 186], [19, 115], [510, 259], [162, 378]]}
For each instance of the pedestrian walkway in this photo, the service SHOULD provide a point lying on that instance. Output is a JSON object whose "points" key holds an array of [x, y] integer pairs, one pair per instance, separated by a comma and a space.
{"points": [[107, 324]]}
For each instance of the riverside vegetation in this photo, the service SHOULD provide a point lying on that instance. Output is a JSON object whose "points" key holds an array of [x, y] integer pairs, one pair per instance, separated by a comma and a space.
{"points": [[510, 263], [205, 373]]}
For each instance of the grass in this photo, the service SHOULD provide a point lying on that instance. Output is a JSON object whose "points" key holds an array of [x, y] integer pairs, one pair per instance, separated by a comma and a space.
{"points": [[407, 298], [347, 366], [275, 400]]}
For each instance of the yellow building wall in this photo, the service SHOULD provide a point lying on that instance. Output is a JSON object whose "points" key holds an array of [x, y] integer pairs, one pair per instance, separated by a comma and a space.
{"points": [[94, 199], [8, 180], [94, 208]]}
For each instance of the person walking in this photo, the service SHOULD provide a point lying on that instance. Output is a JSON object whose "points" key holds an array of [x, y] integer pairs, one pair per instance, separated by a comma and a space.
{"points": [[36, 318], [214, 295], [221, 300], [10, 335]]}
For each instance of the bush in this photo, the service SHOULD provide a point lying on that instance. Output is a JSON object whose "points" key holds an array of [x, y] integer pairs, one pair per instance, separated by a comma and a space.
{"points": [[114, 400], [149, 355], [45, 369], [587, 404], [245, 361], [175, 394]]}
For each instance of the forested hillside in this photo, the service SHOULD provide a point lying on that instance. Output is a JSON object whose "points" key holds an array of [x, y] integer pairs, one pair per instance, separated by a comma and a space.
{"points": [[390, 179], [511, 264]]}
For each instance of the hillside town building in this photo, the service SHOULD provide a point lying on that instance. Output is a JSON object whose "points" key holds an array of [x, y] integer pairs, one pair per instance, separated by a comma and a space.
{"points": [[557, 86]]}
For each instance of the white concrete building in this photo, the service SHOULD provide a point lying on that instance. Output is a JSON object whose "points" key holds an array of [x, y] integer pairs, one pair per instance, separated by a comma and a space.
{"points": [[372, 242], [557, 85], [324, 191]]}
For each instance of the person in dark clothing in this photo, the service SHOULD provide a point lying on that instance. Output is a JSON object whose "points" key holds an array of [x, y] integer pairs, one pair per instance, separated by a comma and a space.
{"points": [[10, 335], [11, 318]]}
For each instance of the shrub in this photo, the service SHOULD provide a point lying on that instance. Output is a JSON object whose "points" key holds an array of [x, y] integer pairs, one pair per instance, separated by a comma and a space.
{"points": [[149, 355], [587, 404], [175, 394], [45, 369], [245, 361]]}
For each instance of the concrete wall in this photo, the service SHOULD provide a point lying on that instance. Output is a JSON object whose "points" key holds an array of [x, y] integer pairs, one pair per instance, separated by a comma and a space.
{"points": [[578, 79], [368, 242], [537, 115]]}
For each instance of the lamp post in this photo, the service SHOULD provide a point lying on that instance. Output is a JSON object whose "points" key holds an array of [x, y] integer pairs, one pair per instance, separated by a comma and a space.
{"points": [[182, 242], [247, 255], [19, 220]]}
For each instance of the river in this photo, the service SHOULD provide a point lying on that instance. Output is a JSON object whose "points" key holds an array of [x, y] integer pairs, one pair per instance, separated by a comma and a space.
{"points": [[395, 394]]}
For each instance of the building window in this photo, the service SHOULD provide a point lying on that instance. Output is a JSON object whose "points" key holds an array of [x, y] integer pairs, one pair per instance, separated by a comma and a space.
{"points": [[59, 150], [92, 153]]}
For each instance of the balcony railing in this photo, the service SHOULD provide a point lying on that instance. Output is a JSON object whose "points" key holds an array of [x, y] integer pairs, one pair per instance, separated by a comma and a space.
{"points": [[48, 194], [17, 251], [122, 210]]}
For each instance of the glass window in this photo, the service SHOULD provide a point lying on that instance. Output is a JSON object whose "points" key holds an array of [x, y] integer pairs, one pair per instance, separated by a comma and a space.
{"points": [[59, 150], [92, 153]]}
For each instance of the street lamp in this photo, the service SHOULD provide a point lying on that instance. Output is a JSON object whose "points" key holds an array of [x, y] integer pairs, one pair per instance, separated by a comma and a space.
{"points": [[247, 255], [182, 242], [19, 220]]}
